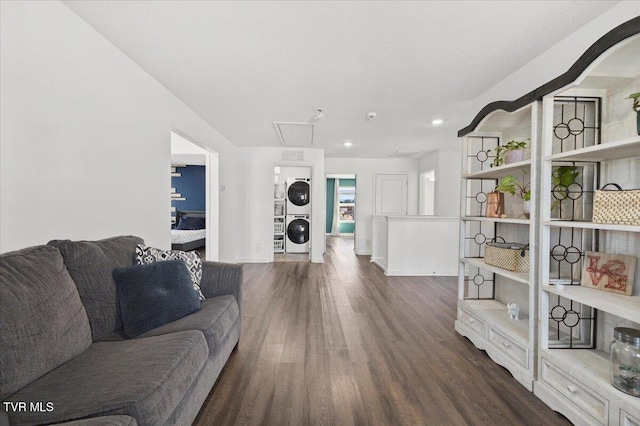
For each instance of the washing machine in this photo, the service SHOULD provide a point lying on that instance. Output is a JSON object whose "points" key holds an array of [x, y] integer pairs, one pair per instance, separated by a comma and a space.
{"points": [[297, 233], [298, 196]]}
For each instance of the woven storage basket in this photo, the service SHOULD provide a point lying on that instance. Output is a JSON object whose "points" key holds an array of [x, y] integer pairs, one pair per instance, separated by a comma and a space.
{"points": [[510, 256], [617, 206]]}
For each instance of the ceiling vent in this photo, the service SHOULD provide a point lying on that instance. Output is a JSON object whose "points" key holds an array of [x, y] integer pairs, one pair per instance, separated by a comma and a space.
{"points": [[294, 134], [292, 155], [406, 154]]}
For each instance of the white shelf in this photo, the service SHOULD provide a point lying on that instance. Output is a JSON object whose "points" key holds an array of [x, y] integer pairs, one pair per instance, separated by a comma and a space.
{"points": [[623, 306], [591, 225], [347, 204], [521, 277], [497, 219], [501, 171], [496, 313], [607, 151]]}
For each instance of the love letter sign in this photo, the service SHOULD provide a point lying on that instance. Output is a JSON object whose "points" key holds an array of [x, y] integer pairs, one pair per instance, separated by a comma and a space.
{"points": [[609, 272]]}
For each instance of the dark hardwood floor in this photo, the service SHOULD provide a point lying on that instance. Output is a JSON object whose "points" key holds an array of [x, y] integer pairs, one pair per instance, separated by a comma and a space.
{"points": [[341, 343]]}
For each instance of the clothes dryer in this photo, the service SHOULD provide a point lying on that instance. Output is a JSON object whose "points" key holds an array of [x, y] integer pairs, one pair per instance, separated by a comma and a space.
{"points": [[298, 234], [298, 196]]}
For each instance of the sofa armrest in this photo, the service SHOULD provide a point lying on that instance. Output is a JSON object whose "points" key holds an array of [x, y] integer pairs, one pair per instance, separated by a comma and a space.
{"points": [[220, 279]]}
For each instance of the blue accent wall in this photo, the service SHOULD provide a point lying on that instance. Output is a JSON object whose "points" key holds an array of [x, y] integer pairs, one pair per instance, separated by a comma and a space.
{"points": [[191, 185]]}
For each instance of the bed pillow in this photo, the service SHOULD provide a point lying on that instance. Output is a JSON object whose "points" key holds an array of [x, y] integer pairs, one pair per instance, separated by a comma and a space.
{"points": [[147, 255], [191, 223], [153, 295]]}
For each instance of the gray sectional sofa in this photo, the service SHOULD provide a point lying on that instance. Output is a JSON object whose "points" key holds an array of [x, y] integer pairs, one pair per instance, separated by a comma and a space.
{"points": [[63, 353]]}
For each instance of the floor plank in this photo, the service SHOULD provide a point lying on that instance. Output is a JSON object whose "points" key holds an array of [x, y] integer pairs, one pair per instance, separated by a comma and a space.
{"points": [[341, 343]]}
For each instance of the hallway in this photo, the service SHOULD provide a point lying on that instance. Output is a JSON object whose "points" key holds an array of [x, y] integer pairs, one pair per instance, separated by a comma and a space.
{"points": [[341, 343]]}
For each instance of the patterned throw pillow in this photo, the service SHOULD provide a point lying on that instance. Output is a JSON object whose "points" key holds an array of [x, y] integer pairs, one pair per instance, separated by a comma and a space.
{"points": [[146, 255]]}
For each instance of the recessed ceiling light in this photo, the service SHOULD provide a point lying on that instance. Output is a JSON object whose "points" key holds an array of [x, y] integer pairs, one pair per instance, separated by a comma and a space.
{"points": [[437, 121], [348, 144]]}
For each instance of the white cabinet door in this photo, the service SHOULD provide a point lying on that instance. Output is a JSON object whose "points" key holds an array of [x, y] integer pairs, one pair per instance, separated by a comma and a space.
{"points": [[391, 194]]}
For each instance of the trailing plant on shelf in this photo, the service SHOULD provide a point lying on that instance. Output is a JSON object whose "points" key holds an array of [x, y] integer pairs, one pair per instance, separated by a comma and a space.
{"points": [[505, 153], [562, 178], [510, 185], [636, 101]]}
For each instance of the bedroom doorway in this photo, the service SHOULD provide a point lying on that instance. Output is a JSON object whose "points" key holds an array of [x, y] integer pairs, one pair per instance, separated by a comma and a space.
{"points": [[194, 198], [340, 216]]}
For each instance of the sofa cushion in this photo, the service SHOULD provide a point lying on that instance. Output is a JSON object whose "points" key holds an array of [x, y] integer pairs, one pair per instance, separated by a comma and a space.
{"points": [[91, 264], [154, 295], [42, 321], [215, 318], [142, 378], [147, 255], [103, 421]]}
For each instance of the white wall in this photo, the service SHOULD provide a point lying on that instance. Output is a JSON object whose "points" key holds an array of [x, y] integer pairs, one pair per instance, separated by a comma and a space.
{"points": [[447, 165], [556, 60], [85, 137], [365, 170], [186, 152], [257, 172]]}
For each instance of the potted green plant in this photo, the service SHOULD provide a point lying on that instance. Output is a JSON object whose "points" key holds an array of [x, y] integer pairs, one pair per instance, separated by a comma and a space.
{"points": [[562, 178], [511, 152], [510, 185], [636, 108]]}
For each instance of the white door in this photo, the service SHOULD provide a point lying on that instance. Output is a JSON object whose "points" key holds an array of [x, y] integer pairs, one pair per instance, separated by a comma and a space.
{"points": [[391, 194]]}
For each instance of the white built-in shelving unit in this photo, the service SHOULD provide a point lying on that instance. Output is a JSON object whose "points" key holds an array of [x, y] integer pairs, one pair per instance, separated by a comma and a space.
{"points": [[560, 348], [576, 382], [485, 290]]}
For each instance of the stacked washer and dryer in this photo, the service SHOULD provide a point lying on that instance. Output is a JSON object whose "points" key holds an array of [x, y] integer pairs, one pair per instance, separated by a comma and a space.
{"points": [[298, 223]]}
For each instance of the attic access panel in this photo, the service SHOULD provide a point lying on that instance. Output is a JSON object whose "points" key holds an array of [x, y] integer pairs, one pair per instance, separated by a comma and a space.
{"points": [[295, 134]]}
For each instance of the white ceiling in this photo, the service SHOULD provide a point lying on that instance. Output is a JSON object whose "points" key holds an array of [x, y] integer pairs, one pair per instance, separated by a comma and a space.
{"points": [[243, 65]]}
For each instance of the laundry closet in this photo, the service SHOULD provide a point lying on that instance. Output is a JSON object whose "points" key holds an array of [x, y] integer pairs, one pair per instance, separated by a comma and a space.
{"points": [[292, 201]]}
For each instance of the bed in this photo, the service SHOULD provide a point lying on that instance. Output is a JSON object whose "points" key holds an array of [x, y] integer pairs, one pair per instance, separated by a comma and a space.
{"points": [[190, 231]]}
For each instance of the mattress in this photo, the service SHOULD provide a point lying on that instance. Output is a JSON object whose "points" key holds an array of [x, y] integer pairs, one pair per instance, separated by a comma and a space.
{"points": [[179, 236]]}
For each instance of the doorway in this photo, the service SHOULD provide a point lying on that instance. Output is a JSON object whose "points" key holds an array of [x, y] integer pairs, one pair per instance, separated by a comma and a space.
{"points": [[292, 202], [428, 193], [341, 199], [194, 193]]}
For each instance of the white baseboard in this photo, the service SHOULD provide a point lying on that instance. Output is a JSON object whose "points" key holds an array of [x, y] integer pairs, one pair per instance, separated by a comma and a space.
{"points": [[254, 261], [419, 273]]}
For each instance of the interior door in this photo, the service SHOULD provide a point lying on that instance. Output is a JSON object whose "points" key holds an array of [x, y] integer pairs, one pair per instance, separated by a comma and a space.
{"points": [[391, 194]]}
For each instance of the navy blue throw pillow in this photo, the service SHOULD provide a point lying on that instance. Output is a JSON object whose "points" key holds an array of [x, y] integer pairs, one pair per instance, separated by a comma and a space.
{"points": [[191, 223], [154, 294]]}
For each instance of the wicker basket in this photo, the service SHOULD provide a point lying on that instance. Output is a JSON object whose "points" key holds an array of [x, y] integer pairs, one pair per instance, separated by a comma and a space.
{"points": [[509, 256], [617, 206]]}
